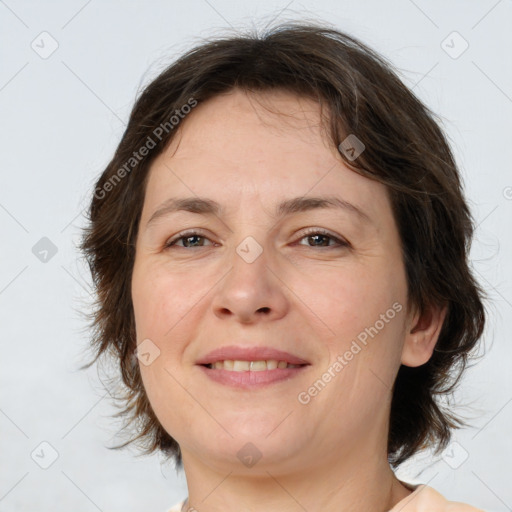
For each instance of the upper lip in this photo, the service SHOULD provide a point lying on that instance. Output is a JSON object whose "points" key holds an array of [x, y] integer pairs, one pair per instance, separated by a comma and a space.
{"points": [[239, 353]]}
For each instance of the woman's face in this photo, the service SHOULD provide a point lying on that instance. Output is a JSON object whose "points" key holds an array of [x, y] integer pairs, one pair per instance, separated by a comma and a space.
{"points": [[321, 282]]}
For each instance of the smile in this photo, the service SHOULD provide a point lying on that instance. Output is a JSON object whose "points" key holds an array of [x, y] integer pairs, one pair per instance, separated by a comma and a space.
{"points": [[250, 366], [251, 375]]}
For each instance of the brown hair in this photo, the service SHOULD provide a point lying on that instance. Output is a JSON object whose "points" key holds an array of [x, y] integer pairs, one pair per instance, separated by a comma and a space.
{"points": [[405, 149]]}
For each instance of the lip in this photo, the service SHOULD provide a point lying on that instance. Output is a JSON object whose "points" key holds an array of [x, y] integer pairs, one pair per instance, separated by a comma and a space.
{"points": [[239, 353], [251, 380]]}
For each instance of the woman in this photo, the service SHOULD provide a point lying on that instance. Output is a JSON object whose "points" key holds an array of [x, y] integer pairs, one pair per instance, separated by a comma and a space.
{"points": [[280, 249]]}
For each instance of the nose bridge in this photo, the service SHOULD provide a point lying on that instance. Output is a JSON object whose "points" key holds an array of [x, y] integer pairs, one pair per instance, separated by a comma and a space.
{"points": [[249, 267], [250, 288], [250, 250]]}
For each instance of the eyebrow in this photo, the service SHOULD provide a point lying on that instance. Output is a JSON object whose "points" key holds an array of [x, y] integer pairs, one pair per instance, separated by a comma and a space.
{"points": [[204, 206]]}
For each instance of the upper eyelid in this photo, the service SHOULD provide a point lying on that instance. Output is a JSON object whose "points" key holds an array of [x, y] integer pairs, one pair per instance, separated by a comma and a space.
{"points": [[324, 232], [305, 232]]}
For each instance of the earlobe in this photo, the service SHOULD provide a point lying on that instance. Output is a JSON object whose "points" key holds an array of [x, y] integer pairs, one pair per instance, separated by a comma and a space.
{"points": [[422, 334]]}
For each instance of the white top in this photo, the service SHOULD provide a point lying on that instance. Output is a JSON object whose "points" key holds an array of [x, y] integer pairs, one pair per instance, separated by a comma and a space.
{"points": [[422, 499]]}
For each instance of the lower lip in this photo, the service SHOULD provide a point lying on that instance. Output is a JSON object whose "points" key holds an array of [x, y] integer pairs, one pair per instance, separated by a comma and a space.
{"points": [[251, 380]]}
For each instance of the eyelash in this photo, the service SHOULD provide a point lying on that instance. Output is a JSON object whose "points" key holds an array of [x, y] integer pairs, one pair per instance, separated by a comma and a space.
{"points": [[311, 231]]}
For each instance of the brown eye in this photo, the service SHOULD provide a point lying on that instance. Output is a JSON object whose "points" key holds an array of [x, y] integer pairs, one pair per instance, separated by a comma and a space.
{"points": [[321, 238]]}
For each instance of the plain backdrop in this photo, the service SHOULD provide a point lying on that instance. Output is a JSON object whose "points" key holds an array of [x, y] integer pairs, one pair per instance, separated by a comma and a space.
{"points": [[70, 72]]}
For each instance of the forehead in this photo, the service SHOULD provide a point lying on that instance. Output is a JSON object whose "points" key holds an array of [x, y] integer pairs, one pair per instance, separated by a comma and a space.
{"points": [[272, 145], [240, 121]]}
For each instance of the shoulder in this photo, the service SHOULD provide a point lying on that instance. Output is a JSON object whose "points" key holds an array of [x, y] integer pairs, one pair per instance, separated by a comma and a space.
{"points": [[177, 507], [426, 499]]}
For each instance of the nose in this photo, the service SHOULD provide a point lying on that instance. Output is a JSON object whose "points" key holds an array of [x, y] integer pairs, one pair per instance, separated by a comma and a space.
{"points": [[251, 291]]}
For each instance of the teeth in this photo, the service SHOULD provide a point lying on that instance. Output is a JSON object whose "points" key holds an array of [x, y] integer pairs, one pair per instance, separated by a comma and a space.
{"points": [[253, 366], [241, 366], [271, 364]]}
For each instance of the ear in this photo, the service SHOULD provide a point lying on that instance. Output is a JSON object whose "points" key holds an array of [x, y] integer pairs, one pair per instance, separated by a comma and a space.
{"points": [[422, 333]]}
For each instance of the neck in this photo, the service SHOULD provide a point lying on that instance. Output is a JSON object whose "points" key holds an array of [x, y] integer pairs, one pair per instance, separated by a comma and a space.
{"points": [[339, 484]]}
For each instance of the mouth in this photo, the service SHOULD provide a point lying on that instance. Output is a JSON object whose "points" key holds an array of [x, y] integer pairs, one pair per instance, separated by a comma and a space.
{"points": [[243, 377], [249, 358], [250, 366]]}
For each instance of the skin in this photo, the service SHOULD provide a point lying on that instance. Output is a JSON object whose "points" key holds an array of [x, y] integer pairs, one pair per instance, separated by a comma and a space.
{"points": [[198, 295]]}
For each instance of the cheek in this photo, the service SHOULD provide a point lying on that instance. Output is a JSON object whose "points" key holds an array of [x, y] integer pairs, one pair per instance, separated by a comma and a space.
{"points": [[364, 307], [163, 305], [362, 304], [162, 298]]}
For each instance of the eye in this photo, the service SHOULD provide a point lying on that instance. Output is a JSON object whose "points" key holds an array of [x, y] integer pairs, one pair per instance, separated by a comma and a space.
{"points": [[190, 239], [193, 239], [316, 234]]}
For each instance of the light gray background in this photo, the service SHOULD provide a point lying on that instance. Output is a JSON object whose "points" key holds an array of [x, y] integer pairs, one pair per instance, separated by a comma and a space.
{"points": [[62, 117]]}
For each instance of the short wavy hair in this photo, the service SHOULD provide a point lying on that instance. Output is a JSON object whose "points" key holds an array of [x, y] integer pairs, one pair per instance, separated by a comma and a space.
{"points": [[405, 149]]}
